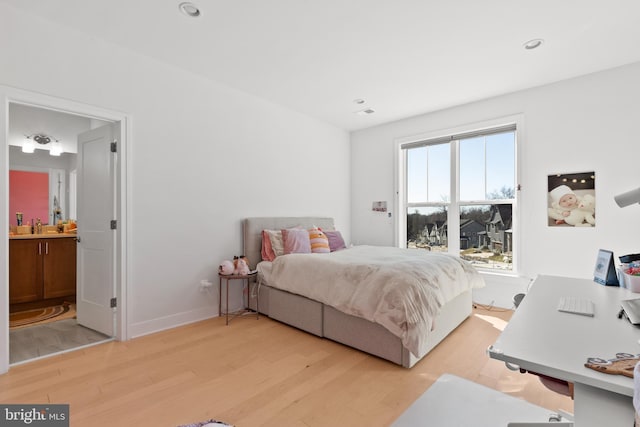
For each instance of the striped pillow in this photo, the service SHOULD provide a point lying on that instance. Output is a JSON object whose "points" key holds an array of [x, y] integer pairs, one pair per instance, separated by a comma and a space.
{"points": [[319, 241]]}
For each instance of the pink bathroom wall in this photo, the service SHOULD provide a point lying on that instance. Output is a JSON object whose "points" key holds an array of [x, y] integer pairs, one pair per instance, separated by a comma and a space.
{"points": [[29, 194]]}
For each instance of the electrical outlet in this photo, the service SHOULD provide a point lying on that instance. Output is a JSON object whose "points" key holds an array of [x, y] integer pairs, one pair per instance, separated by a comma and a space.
{"points": [[205, 284]]}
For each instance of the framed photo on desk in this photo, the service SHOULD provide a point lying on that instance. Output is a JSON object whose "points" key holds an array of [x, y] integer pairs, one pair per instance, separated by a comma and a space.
{"points": [[605, 271]]}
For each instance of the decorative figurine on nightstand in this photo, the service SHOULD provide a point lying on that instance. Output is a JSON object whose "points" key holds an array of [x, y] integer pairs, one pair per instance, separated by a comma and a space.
{"points": [[226, 268], [241, 265]]}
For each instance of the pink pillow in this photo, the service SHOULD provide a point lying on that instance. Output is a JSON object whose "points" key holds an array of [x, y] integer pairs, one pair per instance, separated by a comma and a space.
{"points": [[267, 249], [296, 241], [336, 242]]}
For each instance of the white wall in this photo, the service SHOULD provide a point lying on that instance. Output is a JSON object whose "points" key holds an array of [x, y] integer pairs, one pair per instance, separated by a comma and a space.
{"points": [[202, 156], [579, 125]]}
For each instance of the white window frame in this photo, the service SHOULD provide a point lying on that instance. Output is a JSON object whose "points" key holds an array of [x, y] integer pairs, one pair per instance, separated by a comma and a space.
{"points": [[453, 228]]}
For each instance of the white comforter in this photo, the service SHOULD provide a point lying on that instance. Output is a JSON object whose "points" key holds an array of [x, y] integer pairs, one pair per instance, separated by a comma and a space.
{"points": [[401, 289]]}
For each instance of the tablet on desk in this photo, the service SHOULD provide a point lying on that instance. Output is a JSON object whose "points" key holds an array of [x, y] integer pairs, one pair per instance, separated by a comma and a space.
{"points": [[631, 308]]}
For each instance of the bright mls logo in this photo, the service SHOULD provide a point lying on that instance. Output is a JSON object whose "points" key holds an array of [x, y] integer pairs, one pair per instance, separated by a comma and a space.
{"points": [[35, 415]]}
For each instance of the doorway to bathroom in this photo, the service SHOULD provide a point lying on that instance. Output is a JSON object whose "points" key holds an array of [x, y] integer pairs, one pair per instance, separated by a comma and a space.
{"points": [[98, 301]]}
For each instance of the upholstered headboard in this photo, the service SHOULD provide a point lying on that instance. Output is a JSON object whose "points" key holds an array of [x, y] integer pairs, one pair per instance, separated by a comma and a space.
{"points": [[252, 231]]}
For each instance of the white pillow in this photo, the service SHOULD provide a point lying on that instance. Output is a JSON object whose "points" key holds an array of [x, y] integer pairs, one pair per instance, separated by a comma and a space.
{"points": [[275, 237]]}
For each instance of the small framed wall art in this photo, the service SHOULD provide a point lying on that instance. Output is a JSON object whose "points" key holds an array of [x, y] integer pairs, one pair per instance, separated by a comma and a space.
{"points": [[605, 271]]}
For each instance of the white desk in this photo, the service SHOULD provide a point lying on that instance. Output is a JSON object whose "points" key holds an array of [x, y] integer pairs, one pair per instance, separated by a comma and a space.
{"points": [[541, 339]]}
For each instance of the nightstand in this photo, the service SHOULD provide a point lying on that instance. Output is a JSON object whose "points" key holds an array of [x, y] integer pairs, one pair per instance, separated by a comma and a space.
{"points": [[243, 279]]}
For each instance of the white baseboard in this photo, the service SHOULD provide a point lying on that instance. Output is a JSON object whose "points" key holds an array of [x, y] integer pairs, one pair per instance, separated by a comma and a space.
{"points": [[168, 322]]}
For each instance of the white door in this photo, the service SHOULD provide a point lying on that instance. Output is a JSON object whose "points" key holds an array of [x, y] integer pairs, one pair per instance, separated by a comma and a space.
{"points": [[96, 181]]}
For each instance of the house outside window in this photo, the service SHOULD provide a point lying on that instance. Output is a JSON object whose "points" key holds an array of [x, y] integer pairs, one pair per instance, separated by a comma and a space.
{"points": [[458, 194]]}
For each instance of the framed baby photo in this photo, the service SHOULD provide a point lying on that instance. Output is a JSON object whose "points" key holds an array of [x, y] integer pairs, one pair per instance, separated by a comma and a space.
{"points": [[571, 200]]}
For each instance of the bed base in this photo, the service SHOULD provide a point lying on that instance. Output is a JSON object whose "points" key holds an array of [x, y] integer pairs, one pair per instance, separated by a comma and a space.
{"points": [[325, 321]]}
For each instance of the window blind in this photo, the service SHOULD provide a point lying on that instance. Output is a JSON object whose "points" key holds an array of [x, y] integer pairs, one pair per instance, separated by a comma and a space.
{"points": [[463, 135]]}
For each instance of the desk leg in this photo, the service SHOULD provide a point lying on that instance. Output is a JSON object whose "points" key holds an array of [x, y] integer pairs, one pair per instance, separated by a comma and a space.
{"points": [[594, 407]]}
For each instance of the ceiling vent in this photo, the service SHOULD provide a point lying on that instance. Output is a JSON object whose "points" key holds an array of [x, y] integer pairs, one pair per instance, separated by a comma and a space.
{"points": [[365, 112]]}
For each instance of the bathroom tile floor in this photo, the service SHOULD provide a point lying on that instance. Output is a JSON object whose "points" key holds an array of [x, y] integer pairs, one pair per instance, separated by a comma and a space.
{"points": [[55, 337]]}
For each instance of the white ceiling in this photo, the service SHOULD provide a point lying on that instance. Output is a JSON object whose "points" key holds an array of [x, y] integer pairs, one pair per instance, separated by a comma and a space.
{"points": [[403, 57]]}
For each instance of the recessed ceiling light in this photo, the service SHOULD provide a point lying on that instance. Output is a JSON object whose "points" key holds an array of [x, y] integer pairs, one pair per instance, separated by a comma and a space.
{"points": [[365, 112], [533, 44], [358, 101], [189, 9]]}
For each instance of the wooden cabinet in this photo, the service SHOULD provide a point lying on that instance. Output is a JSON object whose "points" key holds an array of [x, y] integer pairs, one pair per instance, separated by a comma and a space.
{"points": [[25, 271], [59, 268], [41, 269]]}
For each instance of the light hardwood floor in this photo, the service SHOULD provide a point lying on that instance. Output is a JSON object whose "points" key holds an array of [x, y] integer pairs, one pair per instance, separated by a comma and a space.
{"points": [[257, 372]]}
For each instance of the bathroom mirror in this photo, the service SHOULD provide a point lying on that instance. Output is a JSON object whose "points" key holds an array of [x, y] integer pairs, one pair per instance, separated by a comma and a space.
{"points": [[38, 187], [28, 195]]}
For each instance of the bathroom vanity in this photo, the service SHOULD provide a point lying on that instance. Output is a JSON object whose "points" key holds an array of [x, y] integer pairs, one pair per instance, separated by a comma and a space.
{"points": [[42, 269]]}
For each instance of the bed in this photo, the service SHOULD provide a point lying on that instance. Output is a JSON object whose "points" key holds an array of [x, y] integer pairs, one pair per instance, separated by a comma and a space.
{"points": [[283, 299]]}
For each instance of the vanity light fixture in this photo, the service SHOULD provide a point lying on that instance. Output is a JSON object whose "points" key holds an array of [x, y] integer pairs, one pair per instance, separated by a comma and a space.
{"points": [[533, 44], [56, 149], [189, 9], [29, 146], [42, 139]]}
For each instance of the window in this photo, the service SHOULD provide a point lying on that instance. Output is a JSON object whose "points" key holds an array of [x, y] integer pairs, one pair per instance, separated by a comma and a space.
{"points": [[459, 196]]}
